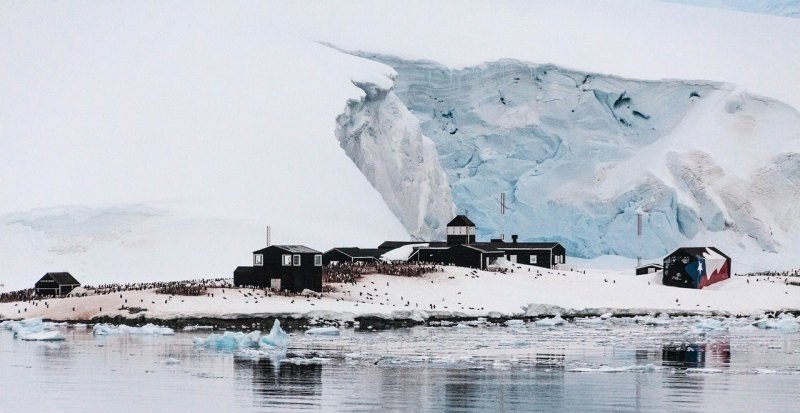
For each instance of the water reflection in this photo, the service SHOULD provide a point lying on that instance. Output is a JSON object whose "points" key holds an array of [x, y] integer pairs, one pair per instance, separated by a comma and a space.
{"points": [[696, 355], [276, 378]]}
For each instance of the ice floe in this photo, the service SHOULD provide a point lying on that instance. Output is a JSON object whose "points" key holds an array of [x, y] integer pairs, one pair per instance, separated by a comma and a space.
{"points": [[145, 330], [624, 369], [551, 322], [323, 331], [44, 336], [232, 341], [32, 329], [786, 322]]}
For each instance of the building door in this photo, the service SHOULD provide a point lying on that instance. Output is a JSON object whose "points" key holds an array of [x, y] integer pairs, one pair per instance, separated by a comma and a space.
{"points": [[275, 284], [512, 258]]}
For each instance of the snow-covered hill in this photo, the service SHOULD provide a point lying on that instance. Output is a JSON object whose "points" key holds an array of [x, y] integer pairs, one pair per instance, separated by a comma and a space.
{"points": [[152, 140], [785, 8], [580, 153]]}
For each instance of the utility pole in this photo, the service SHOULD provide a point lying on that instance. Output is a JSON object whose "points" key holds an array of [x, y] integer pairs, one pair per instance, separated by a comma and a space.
{"points": [[269, 235], [639, 238]]}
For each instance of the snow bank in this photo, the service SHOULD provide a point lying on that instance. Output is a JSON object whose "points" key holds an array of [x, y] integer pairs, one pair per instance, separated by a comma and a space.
{"points": [[145, 330], [401, 253]]}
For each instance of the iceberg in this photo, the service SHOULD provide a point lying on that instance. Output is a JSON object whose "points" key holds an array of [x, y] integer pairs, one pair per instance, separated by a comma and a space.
{"points": [[232, 341], [323, 331], [44, 336], [551, 322], [786, 322], [145, 330]]}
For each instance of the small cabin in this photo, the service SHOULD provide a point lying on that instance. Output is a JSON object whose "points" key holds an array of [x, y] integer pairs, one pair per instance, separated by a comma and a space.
{"points": [[283, 267], [57, 284], [696, 267], [648, 269], [351, 255], [540, 254], [461, 230]]}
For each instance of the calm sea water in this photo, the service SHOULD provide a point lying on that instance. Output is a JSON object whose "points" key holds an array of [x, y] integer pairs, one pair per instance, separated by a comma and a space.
{"points": [[617, 366]]}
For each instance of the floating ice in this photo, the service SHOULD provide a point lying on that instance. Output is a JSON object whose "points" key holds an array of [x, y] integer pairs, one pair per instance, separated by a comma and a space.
{"points": [[515, 323], [323, 331], [710, 324], [551, 322], [276, 337], [44, 336], [229, 340], [703, 370], [786, 322], [31, 329], [625, 369], [661, 320], [170, 360], [145, 330]]}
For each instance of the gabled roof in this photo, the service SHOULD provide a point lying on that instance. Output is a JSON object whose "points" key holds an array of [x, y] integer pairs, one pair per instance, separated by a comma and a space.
{"points": [[654, 265], [461, 221], [354, 252], [524, 245], [244, 270], [390, 245], [484, 247], [700, 251], [62, 278], [295, 249]]}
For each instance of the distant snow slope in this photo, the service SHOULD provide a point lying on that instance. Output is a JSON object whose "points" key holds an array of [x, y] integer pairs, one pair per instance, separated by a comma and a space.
{"points": [[222, 118], [785, 8], [579, 154]]}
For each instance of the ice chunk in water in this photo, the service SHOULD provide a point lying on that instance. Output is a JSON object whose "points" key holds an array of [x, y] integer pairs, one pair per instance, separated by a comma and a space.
{"points": [[276, 337], [323, 331], [44, 336], [229, 340], [147, 330], [551, 322], [786, 322], [27, 327]]}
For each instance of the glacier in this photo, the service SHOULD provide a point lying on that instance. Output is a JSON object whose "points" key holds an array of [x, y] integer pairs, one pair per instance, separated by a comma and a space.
{"points": [[581, 154]]}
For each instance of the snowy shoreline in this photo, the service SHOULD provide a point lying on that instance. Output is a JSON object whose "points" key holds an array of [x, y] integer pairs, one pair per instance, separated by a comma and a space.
{"points": [[454, 294]]}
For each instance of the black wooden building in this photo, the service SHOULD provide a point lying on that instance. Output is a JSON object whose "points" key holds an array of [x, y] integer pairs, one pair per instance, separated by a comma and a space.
{"points": [[56, 284], [340, 255], [648, 269], [696, 267], [283, 267], [463, 255], [462, 250]]}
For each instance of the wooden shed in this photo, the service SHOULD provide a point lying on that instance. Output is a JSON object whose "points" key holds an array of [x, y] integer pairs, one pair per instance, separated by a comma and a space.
{"points": [[56, 284], [696, 267]]}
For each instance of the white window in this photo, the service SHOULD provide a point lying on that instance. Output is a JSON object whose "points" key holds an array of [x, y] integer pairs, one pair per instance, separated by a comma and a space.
{"points": [[471, 230], [512, 258], [258, 260], [286, 260], [533, 259], [318, 260], [275, 284], [296, 260]]}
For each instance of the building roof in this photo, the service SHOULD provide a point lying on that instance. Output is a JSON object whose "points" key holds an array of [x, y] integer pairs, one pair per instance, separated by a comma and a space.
{"points": [[700, 251], [523, 245], [62, 278], [461, 221], [295, 249], [354, 252], [654, 265], [483, 247], [243, 270], [390, 245]]}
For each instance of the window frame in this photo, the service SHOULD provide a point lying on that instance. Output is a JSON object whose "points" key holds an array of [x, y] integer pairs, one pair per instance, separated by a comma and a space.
{"points": [[318, 260], [258, 260], [295, 260], [533, 259], [286, 260]]}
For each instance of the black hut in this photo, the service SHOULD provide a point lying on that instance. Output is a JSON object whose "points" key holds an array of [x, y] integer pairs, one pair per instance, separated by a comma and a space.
{"points": [[648, 269], [461, 230], [56, 284], [283, 267], [351, 255]]}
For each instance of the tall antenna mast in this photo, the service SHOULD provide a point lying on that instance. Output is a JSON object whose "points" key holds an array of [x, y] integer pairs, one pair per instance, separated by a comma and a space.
{"points": [[269, 235], [639, 238], [503, 216]]}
